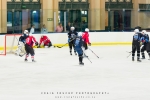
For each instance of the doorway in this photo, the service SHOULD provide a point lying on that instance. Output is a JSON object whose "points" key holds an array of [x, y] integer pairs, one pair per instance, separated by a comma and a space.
{"points": [[77, 18], [14, 21]]}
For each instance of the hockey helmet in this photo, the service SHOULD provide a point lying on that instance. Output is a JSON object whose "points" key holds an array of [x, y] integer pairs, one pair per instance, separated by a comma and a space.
{"points": [[136, 30], [26, 32], [79, 34], [72, 28], [86, 30], [143, 31]]}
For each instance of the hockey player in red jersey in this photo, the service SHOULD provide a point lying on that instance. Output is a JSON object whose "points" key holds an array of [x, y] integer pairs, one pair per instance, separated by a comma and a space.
{"points": [[85, 37], [45, 40], [30, 40]]}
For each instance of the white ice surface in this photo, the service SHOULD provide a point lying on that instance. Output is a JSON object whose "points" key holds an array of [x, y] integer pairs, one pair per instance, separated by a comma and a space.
{"points": [[57, 71]]}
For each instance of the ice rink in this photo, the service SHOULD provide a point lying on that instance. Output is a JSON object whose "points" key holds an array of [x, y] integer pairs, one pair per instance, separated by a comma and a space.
{"points": [[113, 76]]}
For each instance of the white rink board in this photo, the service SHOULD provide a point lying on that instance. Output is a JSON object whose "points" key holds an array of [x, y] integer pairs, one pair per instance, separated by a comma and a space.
{"points": [[95, 37], [57, 71]]}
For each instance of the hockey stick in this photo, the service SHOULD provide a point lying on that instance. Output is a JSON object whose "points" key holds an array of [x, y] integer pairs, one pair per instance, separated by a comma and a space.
{"points": [[93, 53], [61, 46], [64, 44], [87, 57], [131, 51], [22, 55], [129, 54]]}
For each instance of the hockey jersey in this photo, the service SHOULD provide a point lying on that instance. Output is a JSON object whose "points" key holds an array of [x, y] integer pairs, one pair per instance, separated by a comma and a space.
{"points": [[85, 37], [22, 38], [79, 44], [30, 40], [44, 39], [145, 38]]}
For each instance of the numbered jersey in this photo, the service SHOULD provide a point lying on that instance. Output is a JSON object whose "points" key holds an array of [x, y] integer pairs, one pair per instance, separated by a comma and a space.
{"points": [[72, 34], [30, 40], [136, 37], [79, 42]]}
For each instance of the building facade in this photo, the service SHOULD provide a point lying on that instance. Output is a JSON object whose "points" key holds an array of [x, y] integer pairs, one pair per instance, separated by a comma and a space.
{"points": [[97, 15]]}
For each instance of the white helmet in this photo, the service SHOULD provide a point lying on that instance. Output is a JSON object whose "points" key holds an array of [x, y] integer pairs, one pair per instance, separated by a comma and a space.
{"points": [[80, 34], [86, 30], [26, 31], [136, 30], [72, 28], [144, 31]]}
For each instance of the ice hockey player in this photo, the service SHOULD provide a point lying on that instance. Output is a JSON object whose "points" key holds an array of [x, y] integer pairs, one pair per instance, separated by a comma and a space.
{"points": [[45, 40], [85, 37], [78, 47], [136, 44], [30, 40], [71, 39], [144, 40], [21, 43]]}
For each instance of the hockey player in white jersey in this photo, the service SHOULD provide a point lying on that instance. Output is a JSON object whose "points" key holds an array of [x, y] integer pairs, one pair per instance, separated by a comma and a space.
{"points": [[21, 43]]}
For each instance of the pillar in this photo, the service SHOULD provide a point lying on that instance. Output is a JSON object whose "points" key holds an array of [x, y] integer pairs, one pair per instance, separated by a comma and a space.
{"points": [[0, 17], [3, 16], [48, 9], [135, 14], [97, 15]]}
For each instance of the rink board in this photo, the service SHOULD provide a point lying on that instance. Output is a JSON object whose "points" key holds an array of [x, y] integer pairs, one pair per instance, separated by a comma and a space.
{"points": [[96, 38]]}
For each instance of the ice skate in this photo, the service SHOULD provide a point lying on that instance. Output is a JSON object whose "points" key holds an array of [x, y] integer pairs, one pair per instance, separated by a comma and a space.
{"points": [[132, 58], [143, 58], [75, 53], [33, 60], [25, 60], [81, 63], [138, 60], [70, 53]]}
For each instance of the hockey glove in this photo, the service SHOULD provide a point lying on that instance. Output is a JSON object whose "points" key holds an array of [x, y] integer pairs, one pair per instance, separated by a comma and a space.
{"points": [[38, 46], [36, 43], [89, 44]]}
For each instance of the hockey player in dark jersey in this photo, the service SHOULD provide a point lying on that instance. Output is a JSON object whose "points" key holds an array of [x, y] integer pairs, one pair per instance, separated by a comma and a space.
{"points": [[71, 39], [144, 40], [78, 47], [136, 43]]}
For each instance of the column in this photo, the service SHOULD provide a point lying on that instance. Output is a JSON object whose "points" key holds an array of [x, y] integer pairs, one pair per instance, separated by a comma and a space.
{"points": [[0, 17], [48, 9], [97, 15], [135, 14], [3, 16]]}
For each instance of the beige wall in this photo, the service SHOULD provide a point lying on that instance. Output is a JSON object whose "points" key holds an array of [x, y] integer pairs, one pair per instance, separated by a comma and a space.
{"points": [[48, 9], [144, 1], [144, 19], [97, 15], [3, 16], [0, 16], [140, 18]]}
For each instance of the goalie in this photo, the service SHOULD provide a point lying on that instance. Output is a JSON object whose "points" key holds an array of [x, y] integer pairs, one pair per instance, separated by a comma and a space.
{"points": [[21, 49], [45, 41]]}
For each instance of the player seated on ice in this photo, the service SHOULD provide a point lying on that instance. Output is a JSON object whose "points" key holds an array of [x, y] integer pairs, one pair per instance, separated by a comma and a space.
{"points": [[79, 46], [30, 41], [46, 41], [21, 43]]}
